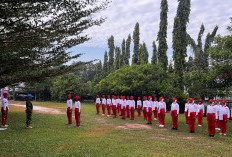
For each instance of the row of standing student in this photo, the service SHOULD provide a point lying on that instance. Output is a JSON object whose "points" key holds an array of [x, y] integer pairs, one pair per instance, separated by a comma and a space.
{"points": [[217, 115]]}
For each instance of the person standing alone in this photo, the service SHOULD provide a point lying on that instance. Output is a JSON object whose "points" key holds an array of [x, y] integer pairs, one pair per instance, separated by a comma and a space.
{"points": [[29, 110], [98, 101], [174, 113], [78, 111], [4, 110]]}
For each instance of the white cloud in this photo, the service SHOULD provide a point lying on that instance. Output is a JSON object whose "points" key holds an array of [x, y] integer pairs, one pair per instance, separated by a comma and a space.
{"points": [[123, 14]]}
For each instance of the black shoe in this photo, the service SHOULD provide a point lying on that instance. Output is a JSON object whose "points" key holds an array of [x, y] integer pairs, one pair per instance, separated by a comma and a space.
{"points": [[123, 118], [148, 123], [97, 113], [173, 128], [176, 128]]}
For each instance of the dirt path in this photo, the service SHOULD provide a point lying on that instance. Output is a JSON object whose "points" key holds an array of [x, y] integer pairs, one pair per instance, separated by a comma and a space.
{"points": [[39, 109]]}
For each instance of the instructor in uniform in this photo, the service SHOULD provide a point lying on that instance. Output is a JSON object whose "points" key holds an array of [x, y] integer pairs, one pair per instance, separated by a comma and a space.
{"points": [[29, 109]]}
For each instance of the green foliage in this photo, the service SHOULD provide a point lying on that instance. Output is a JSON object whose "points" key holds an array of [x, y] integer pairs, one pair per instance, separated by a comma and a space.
{"points": [[69, 84], [162, 35], [136, 38], [33, 46], [154, 54], [123, 57], [140, 80], [111, 53], [143, 54], [117, 58], [180, 41], [128, 43], [105, 65]]}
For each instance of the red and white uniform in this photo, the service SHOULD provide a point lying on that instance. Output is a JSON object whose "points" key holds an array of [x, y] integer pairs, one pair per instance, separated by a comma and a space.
{"points": [[162, 111], [145, 107], [108, 101], [155, 109], [174, 114], [139, 105], [114, 107], [118, 104], [103, 106], [98, 102], [123, 108], [201, 111], [217, 120], [192, 113], [4, 110], [149, 110], [78, 112], [132, 109], [186, 110], [211, 117], [128, 108], [69, 110], [224, 115]]}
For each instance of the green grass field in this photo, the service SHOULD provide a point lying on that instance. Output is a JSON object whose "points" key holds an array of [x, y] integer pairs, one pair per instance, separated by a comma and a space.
{"points": [[101, 136]]}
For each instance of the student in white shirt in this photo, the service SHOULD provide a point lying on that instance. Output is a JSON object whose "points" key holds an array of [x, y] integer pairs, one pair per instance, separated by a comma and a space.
{"points": [[224, 115], [118, 104], [98, 101], [132, 108], [69, 109], [139, 105], [211, 117], [192, 113], [174, 113], [108, 101], [218, 105], [155, 108], [201, 111], [150, 105], [123, 107], [128, 106], [114, 106], [103, 105], [145, 107], [186, 111], [4, 110], [162, 111], [78, 111]]}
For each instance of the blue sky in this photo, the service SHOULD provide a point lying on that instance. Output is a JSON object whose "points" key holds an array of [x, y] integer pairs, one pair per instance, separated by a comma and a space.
{"points": [[123, 14]]}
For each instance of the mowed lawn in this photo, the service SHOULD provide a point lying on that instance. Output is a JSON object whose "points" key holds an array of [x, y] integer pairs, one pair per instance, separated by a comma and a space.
{"points": [[101, 136]]}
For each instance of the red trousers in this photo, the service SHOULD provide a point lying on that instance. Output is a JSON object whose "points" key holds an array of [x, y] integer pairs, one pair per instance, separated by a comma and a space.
{"points": [[200, 117], [192, 120], [127, 110], [108, 110], [149, 115], [97, 107], [223, 124], [186, 117], [69, 115], [145, 113], [155, 112], [119, 108], [139, 110], [211, 123], [132, 113], [103, 109], [77, 116], [114, 107], [123, 112], [174, 118], [162, 116], [4, 116]]}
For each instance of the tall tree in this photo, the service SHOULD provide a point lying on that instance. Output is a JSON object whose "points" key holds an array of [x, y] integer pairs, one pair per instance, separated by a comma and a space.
{"points": [[123, 57], [32, 46], [143, 54], [180, 41], [162, 35], [128, 43], [117, 58], [105, 65], [111, 53], [154, 54], [136, 38]]}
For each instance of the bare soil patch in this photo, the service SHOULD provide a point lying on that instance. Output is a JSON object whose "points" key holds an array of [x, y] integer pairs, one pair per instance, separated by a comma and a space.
{"points": [[133, 126], [39, 109]]}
